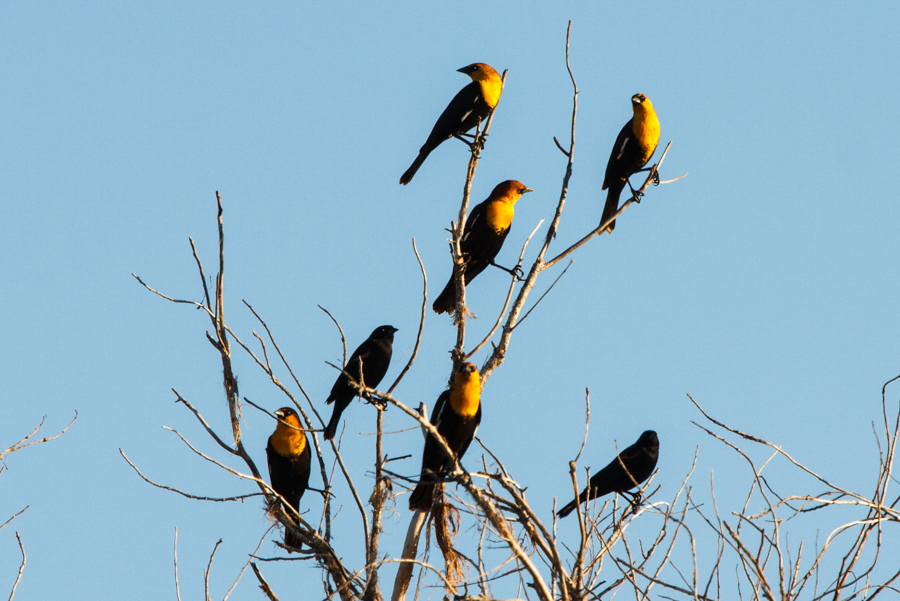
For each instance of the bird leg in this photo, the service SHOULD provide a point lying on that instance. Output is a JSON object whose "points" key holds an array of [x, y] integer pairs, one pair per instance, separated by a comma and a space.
{"points": [[460, 137], [634, 193], [654, 173], [516, 271]]}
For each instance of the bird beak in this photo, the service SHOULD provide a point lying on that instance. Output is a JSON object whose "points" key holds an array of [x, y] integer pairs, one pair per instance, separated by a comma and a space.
{"points": [[526, 190], [395, 329], [279, 414]]}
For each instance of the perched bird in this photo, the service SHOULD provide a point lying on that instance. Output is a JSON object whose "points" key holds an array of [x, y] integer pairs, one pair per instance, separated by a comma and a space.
{"points": [[639, 460], [483, 236], [288, 456], [633, 148], [456, 416], [470, 105], [375, 356]]}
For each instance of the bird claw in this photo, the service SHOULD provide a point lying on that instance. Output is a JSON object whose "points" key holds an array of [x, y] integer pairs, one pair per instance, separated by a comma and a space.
{"points": [[516, 271], [462, 138], [636, 500]]}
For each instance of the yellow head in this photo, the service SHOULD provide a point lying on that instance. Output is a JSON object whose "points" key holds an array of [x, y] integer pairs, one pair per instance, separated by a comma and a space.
{"points": [[645, 126], [641, 105], [511, 190], [465, 394], [480, 72], [288, 438], [501, 202], [490, 81]]}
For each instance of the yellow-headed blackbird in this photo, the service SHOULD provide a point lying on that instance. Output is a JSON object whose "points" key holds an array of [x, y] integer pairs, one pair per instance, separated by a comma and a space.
{"points": [[367, 365], [639, 462], [288, 455], [470, 105], [633, 148], [456, 416], [486, 229]]}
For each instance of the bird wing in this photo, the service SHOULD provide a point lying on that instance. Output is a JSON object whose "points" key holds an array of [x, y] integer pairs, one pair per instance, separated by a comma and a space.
{"points": [[621, 146], [439, 408], [619, 158], [459, 116], [474, 221], [468, 438], [631, 452], [359, 354]]}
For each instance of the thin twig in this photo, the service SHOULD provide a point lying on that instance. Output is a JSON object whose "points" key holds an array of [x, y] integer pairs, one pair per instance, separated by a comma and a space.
{"points": [[509, 293], [185, 494], [175, 558], [534, 306], [421, 320], [244, 569], [499, 352], [266, 589], [21, 567], [209, 568], [3, 525], [22, 443]]}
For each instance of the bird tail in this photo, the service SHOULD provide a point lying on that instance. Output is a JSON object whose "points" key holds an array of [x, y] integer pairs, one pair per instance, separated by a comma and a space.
{"points": [[292, 542], [566, 510], [409, 173], [612, 203], [422, 497], [331, 428], [446, 300]]}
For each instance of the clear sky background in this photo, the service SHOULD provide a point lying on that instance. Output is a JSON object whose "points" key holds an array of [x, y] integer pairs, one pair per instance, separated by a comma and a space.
{"points": [[765, 283]]}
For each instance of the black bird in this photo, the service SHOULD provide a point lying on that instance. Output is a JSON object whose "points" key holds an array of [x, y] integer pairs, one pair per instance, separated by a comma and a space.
{"points": [[639, 460], [456, 416], [375, 356], [288, 456]]}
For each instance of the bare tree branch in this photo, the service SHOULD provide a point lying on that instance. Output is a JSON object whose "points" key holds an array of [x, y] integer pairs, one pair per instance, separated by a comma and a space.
{"points": [[23, 442], [266, 589], [21, 568]]}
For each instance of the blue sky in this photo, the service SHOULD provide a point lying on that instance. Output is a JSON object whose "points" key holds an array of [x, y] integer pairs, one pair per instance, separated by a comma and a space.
{"points": [[764, 284]]}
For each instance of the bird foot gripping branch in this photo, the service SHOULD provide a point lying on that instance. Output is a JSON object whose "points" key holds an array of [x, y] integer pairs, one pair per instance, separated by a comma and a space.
{"points": [[516, 271], [636, 500]]}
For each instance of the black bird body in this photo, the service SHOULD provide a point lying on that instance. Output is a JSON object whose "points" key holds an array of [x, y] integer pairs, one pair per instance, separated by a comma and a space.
{"points": [[639, 460], [456, 415], [471, 105], [375, 355], [634, 146], [485, 231], [288, 458]]}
